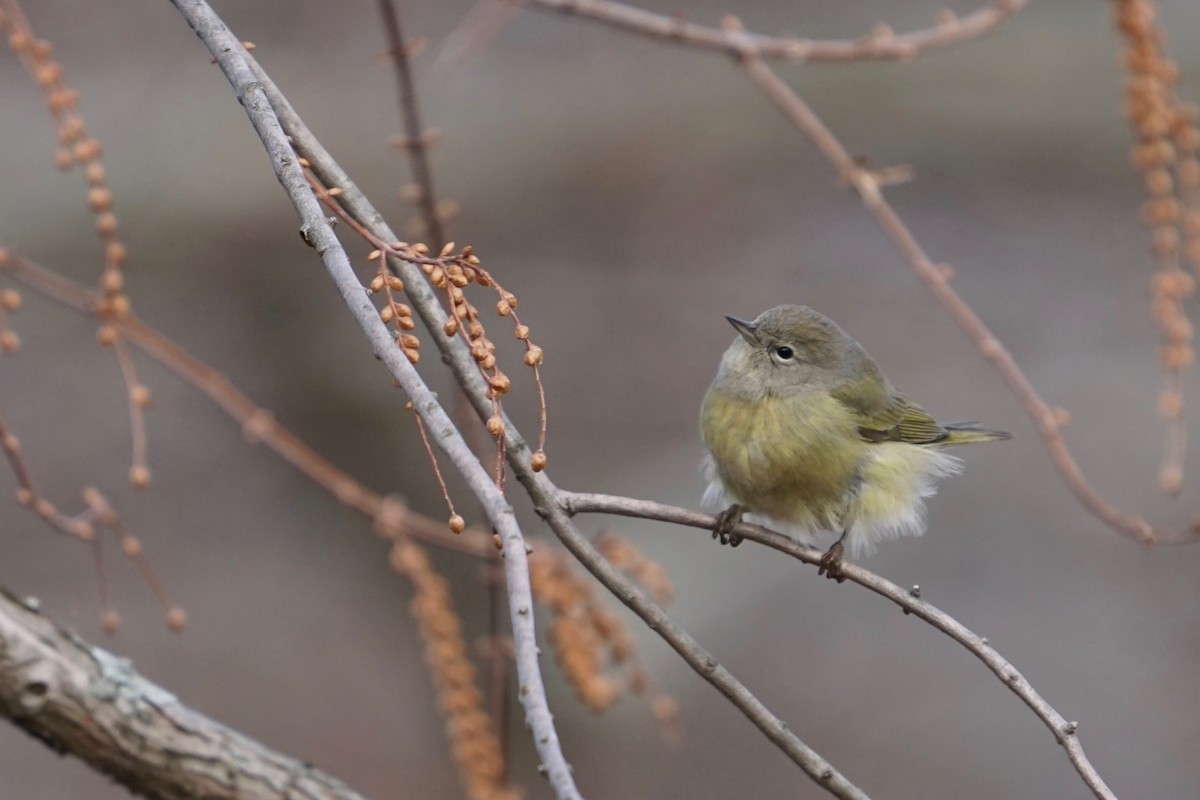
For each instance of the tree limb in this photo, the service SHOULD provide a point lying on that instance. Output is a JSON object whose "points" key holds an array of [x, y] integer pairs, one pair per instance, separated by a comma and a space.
{"points": [[541, 490], [879, 45], [1063, 730], [85, 701], [318, 233]]}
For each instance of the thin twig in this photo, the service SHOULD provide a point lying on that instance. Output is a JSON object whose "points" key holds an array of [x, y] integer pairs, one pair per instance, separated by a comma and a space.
{"points": [[416, 146], [1063, 730], [880, 44], [316, 230], [937, 280], [258, 424], [541, 490], [415, 143]]}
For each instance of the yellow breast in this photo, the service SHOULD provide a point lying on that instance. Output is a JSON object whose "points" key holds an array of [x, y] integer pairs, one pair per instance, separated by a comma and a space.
{"points": [[793, 458]]}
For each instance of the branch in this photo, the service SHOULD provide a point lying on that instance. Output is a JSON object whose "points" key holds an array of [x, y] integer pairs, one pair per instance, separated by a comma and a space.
{"points": [[258, 424], [1049, 422], [318, 233], [879, 45], [416, 140], [1063, 730], [82, 700], [544, 494]]}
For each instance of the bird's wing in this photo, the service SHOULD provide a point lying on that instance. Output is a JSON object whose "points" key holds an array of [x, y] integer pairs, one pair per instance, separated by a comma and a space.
{"points": [[888, 416]]}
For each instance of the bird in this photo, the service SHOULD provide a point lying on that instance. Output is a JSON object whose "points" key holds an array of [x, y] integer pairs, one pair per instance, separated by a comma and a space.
{"points": [[805, 434]]}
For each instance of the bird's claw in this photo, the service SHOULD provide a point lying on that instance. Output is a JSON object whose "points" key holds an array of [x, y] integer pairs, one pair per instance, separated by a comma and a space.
{"points": [[830, 564], [726, 521]]}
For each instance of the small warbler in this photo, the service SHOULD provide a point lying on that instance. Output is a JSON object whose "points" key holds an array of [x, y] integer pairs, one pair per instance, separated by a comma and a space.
{"points": [[806, 435]]}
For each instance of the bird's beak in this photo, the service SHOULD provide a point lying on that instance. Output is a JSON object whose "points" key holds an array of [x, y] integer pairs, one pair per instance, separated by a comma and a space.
{"points": [[748, 330]]}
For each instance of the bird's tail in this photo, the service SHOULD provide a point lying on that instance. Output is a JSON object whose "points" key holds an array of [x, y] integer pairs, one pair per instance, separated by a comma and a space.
{"points": [[970, 433]]}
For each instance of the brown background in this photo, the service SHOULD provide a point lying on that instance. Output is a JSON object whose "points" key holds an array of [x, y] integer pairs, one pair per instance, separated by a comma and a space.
{"points": [[631, 194]]}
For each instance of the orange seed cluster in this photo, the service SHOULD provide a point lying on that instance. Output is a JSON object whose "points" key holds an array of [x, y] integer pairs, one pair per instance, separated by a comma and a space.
{"points": [[589, 640], [471, 733], [1165, 153], [75, 147]]}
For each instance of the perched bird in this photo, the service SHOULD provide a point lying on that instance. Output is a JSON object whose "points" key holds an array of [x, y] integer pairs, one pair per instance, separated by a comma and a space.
{"points": [[806, 435]]}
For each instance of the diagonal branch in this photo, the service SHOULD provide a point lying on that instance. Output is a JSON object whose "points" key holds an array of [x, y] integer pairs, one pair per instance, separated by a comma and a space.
{"points": [[537, 484], [1063, 730], [259, 425], [82, 700], [318, 233], [747, 47], [879, 45], [936, 279]]}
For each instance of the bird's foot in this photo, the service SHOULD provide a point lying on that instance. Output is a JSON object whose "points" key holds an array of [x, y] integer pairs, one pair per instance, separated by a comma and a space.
{"points": [[727, 520], [830, 564]]}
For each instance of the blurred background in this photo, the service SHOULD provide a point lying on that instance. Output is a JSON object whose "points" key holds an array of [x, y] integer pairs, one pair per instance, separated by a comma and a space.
{"points": [[630, 194]]}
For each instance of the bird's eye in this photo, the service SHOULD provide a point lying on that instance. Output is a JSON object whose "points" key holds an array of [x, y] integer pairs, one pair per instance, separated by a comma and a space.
{"points": [[784, 353]]}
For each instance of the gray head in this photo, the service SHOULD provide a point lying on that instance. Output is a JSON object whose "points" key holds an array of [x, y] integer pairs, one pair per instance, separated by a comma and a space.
{"points": [[790, 349]]}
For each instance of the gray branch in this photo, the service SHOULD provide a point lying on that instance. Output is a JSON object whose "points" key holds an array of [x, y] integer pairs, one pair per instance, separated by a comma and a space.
{"points": [[85, 701], [1065, 732], [316, 230], [545, 495]]}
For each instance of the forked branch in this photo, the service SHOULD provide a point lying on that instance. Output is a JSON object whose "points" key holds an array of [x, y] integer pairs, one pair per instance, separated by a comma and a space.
{"points": [[233, 60]]}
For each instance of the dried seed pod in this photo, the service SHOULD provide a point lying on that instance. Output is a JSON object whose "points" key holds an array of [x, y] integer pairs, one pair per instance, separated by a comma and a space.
{"points": [[1170, 404], [114, 254], [111, 280], [450, 327], [387, 314], [495, 425], [457, 524], [522, 332], [533, 356], [500, 382], [139, 477], [140, 395], [176, 619], [537, 462], [376, 284]]}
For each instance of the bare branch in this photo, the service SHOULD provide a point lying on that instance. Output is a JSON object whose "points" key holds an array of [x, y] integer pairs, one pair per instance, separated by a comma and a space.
{"points": [[878, 45], [1048, 421], [259, 425], [316, 230], [416, 139], [82, 700], [1063, 730], [537, 484]]}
